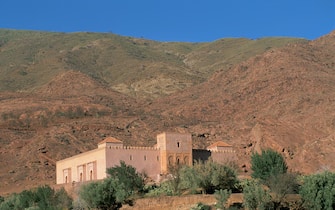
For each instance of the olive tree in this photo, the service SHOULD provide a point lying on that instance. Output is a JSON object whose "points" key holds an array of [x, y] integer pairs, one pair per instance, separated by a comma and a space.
{"points": [[318, 191], [122, 183], [209, 176], [268, 163], [255, 196]]}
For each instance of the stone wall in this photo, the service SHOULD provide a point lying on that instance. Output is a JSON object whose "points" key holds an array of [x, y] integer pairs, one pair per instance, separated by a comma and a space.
{"points": [[145, 159], [179, 202], [78, 168]]}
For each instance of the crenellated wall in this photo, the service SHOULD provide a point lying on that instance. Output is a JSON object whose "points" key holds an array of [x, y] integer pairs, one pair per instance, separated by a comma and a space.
{"points": [[144, 159], [172, 149]]}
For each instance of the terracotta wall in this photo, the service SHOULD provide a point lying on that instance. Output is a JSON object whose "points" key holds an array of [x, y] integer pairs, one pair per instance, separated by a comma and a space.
{"points": [[144, 159], [217, 156], [174, 148], [223, 156], [92, 160]]}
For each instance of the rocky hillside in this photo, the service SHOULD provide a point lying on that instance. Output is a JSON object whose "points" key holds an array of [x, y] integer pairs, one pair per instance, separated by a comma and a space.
{"points": [[282, 99], [63, 93]]}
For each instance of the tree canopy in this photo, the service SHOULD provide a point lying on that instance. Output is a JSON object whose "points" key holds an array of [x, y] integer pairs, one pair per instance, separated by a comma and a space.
{"points": [[318, 191], [268, 163], [123, 182]]}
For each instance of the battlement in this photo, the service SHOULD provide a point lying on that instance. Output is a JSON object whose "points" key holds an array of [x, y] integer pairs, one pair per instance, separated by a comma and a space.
{"points": [[132, 148], [222, 151], [171, 149]]}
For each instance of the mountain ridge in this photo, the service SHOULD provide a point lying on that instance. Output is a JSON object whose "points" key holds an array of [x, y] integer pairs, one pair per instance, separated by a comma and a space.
{"points": [[276, 95]]}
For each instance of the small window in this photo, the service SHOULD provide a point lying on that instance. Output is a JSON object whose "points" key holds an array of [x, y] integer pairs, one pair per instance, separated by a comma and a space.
{"points": [[157, 158], [145, 157], [178, 144], [130, 157], [91, 175]]}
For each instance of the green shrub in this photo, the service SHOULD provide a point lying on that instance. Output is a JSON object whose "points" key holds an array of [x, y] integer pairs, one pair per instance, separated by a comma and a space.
{"points": [[123, 182], [209, 176], [164, 189], [268, 163], [103, 195], [128, 176], [221, 197], [318, 191], [201, 206], [43, 197], [255, 196]]}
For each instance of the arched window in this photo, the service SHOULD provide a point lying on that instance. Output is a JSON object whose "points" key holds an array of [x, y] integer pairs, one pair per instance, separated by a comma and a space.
{"points": [[186, 160], [178, 144], [170, 160], [178, 160]]}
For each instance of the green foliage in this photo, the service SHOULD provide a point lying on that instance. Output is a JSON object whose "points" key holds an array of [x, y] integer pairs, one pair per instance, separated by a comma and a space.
{"points": [[128, 176], [201, 206], [122, 183], [268, 163], [164, 189], [282, 185], [255, 196], [318, 191], [206, 177], [106, 195], [43, 197], [175, 178], [211, 176], [221, 197], [63, 199], [190, 179]]}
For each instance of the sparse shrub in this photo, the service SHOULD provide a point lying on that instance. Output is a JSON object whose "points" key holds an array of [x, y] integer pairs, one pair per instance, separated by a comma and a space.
{"points": [[255, 196], [221, 197], [175, 178], [201, 206], [282, 185], [164, 189]]}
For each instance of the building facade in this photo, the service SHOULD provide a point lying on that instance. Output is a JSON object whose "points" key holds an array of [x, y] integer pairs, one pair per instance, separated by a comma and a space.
{"points": [[171, 149]]}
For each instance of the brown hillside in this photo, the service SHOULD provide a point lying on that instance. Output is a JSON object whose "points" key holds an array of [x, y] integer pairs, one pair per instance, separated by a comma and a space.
{"points": [[282, 99], [267, 97], [136, 67]]}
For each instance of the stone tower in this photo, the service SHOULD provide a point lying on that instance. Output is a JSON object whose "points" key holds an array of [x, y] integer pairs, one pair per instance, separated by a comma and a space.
{"points": [[175, 149]]}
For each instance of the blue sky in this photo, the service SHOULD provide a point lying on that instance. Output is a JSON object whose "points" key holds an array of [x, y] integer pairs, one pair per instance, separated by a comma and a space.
{"points": [[174, 20]]}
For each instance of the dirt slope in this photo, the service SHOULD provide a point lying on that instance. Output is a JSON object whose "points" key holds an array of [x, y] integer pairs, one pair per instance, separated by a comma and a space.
{"points": [[282, 98]]}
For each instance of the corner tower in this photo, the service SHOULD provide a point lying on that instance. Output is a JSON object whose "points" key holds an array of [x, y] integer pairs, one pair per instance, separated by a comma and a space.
{"points": [[175, 149]]}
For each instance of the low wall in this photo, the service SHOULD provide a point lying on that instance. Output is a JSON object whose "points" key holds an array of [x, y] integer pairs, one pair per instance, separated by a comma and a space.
{"points": [[178, 202]]}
